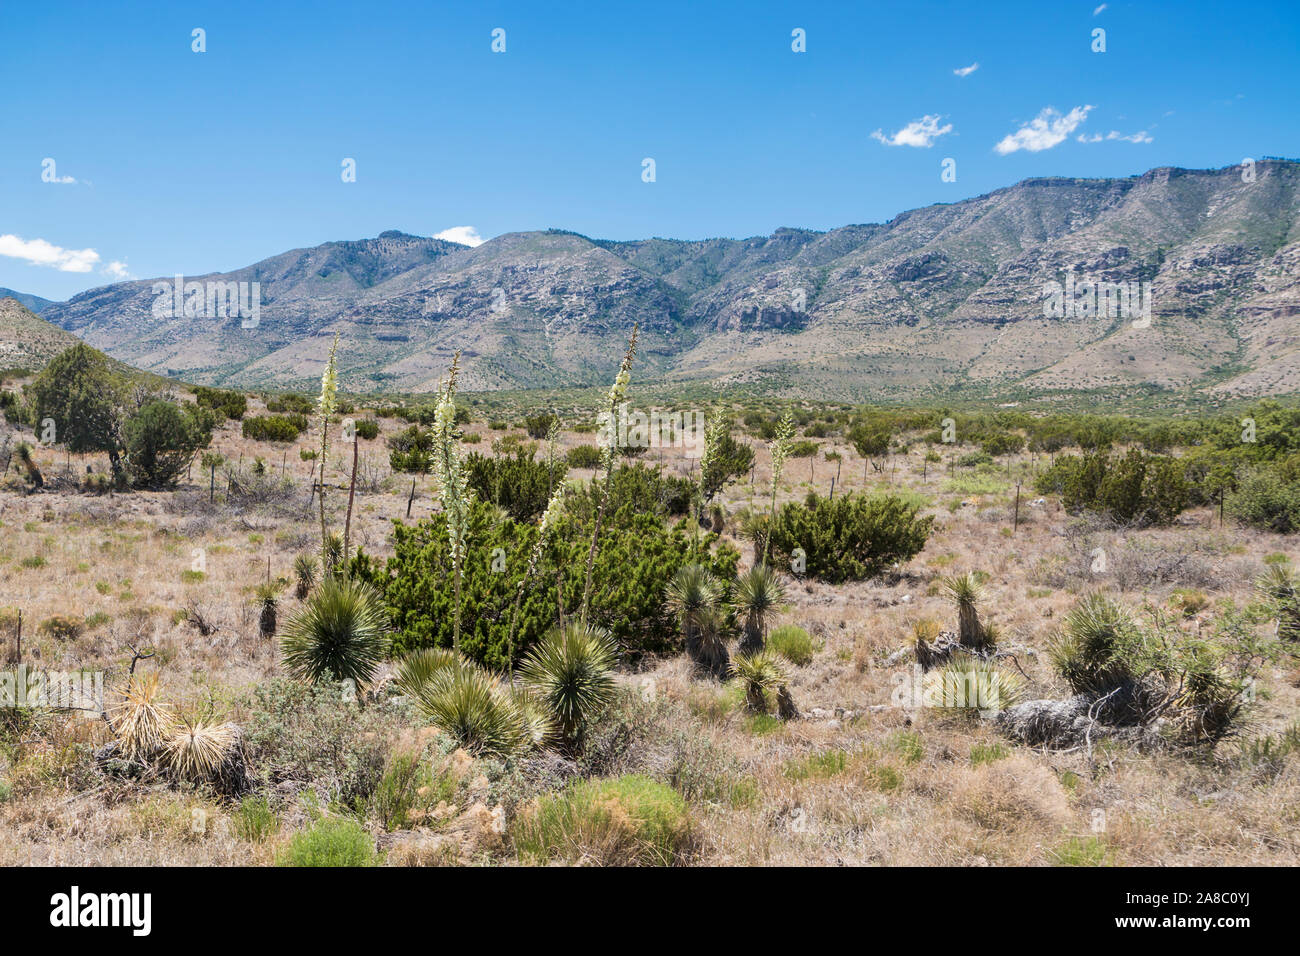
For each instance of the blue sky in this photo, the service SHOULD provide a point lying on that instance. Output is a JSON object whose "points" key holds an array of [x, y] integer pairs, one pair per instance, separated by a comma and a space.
{"points": [[168, 161]]}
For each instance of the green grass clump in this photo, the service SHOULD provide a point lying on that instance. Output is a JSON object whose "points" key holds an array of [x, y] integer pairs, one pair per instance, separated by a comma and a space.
{"points": [[760, 725], [907, 744], [255, 820], [988, 753], [975, 485], [818, 766], [330, 842], [793, 643], [1081, 851], [622, 821]]}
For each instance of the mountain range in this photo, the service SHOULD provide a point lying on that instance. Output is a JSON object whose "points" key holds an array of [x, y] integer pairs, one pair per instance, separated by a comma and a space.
{"points": [[943, 300]]}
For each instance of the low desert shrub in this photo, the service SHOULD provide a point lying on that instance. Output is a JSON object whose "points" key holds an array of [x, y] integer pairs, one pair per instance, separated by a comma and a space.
{"points": [[624, 821], [793, 643], [850, 538], [332, 841]]}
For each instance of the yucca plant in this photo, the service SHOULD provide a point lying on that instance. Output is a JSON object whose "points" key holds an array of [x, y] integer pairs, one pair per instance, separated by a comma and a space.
{"points": [[268, 603], [760, 673], [539, 721], [197, 752], [340, 633], [419, 667], [965, 591], [571, 670], [477, 711], [457, 497], [780, 450], [692, 590], [140, 722], [709, 648], [967, 684], [609, 455], [304, 570], [25, 459], [1280, 588], [325, 406], [335, 560], [759, 593], [1097, 646]]}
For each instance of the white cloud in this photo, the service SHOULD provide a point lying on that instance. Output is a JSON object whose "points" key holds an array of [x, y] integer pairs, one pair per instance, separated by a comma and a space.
{"points": [[1100, 8], [1049, 128], [38, 252], [966, 70], [921, 132], [1142, 136], [465, 235], [117, 270]]}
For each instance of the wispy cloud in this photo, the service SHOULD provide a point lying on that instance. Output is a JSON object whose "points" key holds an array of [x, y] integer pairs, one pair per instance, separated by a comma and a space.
{"points": [[38, 252], [920, 132], [465, 235], [117, 270], [1100, 8], [1141, 136], [1049, 128], [966, 70]]}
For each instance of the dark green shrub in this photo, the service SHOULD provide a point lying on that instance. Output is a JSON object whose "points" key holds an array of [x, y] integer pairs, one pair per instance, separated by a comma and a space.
{"points": [[411, 450], [161, 440], [274, 427], [518, 484], [367, 428], [232, 405], [850, 538], [728, 460], [1265, 499], [1136, 489], [636, 559], [291, 402], [583, 456]]}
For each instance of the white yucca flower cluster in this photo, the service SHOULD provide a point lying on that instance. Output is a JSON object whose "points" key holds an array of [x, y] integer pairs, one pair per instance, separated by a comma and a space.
{"points": [[617, 395], [326, 405], [447, 470], [780, 446], [713, 432]]}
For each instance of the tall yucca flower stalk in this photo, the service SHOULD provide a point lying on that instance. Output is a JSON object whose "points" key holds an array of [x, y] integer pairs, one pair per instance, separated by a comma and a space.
{"points": [[456, 494], [713, 433], [780, 449], [552, 452], [617, 393], [554, 512], [326, 406]]}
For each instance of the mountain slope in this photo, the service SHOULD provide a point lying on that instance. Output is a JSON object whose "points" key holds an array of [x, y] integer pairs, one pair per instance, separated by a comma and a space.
{"points": [[944, 299], [26, 340], [33, 302]]}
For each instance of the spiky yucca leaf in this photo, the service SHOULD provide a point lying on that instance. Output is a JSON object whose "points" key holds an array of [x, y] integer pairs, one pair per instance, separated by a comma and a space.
{"points": [[1280, 588], [759, 672], [418, 668], [538, 719], [476, 710], [140, 722], [1098, 641], [339, 633], [304, 569], [759, 592], [572, 673], [197, 751], [966, 592], [969, 684], [692, 590]]}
